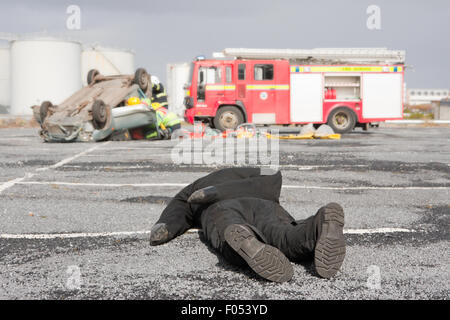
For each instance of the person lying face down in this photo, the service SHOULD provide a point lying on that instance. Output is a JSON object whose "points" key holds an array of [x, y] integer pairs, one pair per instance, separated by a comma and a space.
{"points": [[239, 213]]}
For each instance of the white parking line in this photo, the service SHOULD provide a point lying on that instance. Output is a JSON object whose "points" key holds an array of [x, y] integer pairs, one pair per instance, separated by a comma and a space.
{"points": [[70, 235], [28, 175], [147, 157], [365, 188], [111, 185], [287, 166], [9, 184], [147, 185], [14, 138], [133, 148], [378, 230], [135, 233], [67, 160]]}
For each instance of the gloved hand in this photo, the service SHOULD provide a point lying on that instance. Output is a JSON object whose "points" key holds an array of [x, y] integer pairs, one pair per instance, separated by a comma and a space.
{"points": [[159, 234], [165, 134]]}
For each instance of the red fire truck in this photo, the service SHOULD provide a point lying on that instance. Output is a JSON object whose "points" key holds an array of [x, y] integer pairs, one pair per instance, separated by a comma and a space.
{"points": [[344, 88]]}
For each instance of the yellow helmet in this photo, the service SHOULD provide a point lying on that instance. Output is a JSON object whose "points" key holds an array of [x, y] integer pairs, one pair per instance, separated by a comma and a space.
{"points": [[156, 105], [133, 101]]}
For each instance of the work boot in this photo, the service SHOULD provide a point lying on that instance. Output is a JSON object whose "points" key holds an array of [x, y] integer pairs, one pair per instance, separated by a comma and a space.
{"points": [[267, 261], [329, 252], [159, 234], [204, 195]]}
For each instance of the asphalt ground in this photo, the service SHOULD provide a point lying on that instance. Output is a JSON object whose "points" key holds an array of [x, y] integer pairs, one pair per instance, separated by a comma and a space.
{"points": [[75, 219]]}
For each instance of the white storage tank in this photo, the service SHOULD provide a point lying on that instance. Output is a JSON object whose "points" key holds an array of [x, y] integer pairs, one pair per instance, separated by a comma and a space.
{"points": [[4, 78], [177, 77], [109, 61], [42, 69]]}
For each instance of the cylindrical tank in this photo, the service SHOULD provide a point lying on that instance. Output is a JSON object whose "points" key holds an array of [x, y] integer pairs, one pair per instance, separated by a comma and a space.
{"points": [[4, 78], [109, 61], [43, 69], [177, 77]]}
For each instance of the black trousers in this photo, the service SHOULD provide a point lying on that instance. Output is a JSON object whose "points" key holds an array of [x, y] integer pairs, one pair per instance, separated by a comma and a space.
{"points": [[269, 220], [244, 197]]}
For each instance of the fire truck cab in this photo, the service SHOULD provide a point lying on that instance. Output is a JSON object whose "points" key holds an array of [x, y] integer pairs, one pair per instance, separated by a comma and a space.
{"points": [[277, 90]]}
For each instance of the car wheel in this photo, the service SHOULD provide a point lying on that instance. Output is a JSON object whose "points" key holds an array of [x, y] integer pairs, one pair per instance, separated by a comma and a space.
{"points": [[341, 120], [142, 79], [43, 110], [91, 76], [228, 118], [99, 114]]}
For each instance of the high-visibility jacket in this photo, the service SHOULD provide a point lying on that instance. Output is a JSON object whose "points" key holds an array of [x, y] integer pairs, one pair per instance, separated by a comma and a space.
{"points": [[147, 101], [159, 95], [167, 118]]}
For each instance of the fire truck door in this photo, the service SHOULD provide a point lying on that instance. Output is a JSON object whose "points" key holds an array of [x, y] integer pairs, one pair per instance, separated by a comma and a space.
{"points": [[210, 85], [263, 93], [241, 84], [229, 86]]}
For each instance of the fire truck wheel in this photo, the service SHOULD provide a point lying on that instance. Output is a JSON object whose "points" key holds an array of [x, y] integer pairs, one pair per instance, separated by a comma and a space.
{"points": [[341, 120], [228, 118]]}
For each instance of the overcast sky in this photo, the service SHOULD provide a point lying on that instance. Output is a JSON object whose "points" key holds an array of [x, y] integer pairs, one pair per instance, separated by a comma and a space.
{"points": [[166, 31]]}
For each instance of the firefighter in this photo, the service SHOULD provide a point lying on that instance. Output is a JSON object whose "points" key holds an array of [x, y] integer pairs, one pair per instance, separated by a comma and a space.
{"points": [[158, 92], [167, 122], [239, 212]]}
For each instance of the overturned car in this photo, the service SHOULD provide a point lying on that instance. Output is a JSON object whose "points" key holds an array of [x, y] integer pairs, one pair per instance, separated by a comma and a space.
{"points": [[97, 110]]}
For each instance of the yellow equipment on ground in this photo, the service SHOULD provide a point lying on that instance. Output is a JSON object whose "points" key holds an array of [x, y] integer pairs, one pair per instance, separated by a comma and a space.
{"points": [[311, 135], [335, 136]]}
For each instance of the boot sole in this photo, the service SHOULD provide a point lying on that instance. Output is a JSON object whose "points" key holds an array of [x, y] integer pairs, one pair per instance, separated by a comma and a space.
{"points": [[267, 261], [329, 253]]}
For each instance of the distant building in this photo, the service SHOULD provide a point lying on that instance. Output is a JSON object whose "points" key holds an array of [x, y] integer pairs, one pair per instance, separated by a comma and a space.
{"points": [[425, 96], [442, 110]]}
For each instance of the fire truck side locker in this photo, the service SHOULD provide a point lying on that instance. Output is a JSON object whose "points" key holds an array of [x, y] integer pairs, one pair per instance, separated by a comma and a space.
{"points": [[382, 95], [306, 97]]}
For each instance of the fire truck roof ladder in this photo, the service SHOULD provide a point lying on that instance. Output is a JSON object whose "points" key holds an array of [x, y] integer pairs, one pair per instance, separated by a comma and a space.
{"points": [[321, 55]]}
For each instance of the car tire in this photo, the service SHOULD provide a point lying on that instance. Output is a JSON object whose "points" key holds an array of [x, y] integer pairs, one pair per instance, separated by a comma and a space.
{"points": [[142, 79], [228, 118], [91, 76], [43, 111], [99, 114], [342, 120]]}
